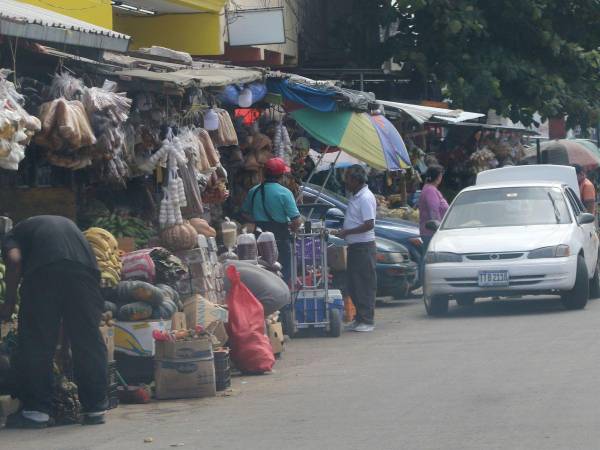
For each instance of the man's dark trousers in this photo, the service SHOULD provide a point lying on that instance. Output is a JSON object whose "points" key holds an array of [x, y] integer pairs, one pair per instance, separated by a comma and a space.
{"points": [[67, 292], [361, 280]]}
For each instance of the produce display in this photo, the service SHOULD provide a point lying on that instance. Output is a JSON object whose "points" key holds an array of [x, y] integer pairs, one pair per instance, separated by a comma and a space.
{"points": [[106, 249], [138, 300], [120, 227], [179, 237]]}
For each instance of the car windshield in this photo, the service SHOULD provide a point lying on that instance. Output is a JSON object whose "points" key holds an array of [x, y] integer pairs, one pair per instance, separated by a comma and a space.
{"points": [[507, 207]]}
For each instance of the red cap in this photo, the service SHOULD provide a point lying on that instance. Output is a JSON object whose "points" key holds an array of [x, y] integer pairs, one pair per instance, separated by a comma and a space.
{"points": [[276, 167]]}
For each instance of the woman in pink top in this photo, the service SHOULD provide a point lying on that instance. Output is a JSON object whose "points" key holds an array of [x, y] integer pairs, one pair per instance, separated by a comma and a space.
{"points": [[432, 204]]}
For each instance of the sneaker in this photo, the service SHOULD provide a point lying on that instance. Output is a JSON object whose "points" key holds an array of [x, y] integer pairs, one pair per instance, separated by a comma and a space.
{"points": [[352, 325], [95, 418], [364, 328], [18, 420]]}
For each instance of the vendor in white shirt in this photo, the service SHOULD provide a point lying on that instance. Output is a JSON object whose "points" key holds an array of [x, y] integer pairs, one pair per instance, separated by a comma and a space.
{"points": [[359, 233]]}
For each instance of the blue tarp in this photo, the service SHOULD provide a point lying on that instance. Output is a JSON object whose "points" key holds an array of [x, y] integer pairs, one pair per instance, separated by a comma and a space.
{"points": [[321, 99]]}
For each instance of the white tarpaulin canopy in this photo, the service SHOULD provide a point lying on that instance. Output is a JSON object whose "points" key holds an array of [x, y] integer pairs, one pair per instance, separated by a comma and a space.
{"points": [[423, 114]]}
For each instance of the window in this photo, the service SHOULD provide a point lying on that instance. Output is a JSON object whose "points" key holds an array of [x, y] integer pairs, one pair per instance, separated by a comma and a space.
{"points": [[573, 201], [506, 207]]}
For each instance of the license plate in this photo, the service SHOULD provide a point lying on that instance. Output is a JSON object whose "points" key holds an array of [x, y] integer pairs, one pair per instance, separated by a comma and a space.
{"points": [[493, 278]]}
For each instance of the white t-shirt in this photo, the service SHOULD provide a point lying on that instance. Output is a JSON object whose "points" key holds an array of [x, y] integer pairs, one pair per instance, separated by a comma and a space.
{"points": [[361, 208]]}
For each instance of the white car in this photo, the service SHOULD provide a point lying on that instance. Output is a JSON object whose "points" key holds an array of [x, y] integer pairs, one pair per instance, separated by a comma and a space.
{"points": [[519, 231]]}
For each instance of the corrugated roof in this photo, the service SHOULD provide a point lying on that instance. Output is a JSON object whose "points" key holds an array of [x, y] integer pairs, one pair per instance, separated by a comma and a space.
{"points": [[31, 22]]}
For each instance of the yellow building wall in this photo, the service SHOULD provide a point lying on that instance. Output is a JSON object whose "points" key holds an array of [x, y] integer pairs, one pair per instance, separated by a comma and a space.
{"points": [[197, 34], [98, 12]]}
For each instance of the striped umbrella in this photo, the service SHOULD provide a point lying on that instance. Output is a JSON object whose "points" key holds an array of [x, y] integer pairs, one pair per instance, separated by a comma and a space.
{"points": [[369, 138]]}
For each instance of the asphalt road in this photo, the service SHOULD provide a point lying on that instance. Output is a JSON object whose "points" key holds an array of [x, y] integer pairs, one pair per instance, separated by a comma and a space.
{"points": [[500, 375]]}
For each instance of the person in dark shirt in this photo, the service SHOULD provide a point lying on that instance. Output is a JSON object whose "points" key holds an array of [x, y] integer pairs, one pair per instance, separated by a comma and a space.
{"points": [[60, 281]]}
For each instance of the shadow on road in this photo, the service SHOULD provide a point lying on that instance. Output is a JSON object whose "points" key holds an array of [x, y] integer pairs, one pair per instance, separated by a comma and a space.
{"points": [[508, 307]]}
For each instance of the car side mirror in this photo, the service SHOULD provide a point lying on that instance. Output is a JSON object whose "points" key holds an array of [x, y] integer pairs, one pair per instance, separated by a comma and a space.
{"points": [[585, 218], [432, 225], [335, 214]]}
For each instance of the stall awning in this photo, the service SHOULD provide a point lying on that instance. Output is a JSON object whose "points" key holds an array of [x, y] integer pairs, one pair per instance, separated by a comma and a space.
{"points": [[31, 22], [201, 77], [423, 114]]}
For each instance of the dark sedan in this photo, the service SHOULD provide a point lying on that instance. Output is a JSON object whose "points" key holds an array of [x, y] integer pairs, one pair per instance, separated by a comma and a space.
{"points": [[396, 230]]}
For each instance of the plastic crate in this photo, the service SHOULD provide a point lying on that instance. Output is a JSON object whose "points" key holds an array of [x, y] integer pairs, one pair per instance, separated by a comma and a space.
{"points": [[222, 369], [309, 306], [311, 245]]}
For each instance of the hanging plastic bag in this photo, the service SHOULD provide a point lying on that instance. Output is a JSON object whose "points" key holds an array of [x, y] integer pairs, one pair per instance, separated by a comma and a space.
{"points": [[250, 349]]}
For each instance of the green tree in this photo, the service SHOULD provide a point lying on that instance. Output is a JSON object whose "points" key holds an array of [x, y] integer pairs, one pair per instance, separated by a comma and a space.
{"points": [[514, 56]]}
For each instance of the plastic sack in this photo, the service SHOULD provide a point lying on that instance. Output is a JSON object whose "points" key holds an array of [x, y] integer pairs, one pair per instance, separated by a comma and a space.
{"points": [[268, 288], [139, 291], [133, 312], [138, 265], [250, 349]]}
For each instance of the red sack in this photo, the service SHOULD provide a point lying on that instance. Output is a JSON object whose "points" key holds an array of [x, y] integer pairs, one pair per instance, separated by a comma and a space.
{"points": [[251, 350]]}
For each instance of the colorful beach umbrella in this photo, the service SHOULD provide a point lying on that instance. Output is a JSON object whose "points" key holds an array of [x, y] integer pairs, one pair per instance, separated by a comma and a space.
{"points": [[564, 152], [371, 139]]}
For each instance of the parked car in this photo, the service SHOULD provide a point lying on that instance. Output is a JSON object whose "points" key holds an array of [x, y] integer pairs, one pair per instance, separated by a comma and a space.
{"points": [[396, 272], [399, 231], [514, 233]]}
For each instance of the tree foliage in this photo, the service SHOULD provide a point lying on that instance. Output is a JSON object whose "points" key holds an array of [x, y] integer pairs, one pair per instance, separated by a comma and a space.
{"points": [[514, 56]]}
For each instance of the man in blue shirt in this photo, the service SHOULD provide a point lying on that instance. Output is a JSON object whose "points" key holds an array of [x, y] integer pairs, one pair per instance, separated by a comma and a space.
{"points": [[273, 208]]}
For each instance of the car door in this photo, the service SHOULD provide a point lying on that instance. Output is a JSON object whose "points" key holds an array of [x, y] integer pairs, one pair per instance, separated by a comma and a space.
{"points": [[588, 234]]}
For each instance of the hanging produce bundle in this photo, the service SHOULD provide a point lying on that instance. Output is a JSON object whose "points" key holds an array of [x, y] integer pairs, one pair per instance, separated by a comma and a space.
{"points": [[65, 130], [282, 143], [66, 86], [16, 126], [483, 159], [225, 135], [106, 248], [108, 111]]}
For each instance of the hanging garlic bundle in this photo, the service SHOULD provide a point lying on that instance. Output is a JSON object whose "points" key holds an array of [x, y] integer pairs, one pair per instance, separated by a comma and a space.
{"points": [[282, 143], [172, 155]]}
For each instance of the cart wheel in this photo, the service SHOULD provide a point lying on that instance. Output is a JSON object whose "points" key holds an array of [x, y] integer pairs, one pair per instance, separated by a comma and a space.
{"points": [[287, 322], [335, 322]]}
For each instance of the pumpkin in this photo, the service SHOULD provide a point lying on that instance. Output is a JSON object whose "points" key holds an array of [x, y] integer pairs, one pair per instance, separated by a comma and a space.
{"points": [[179, 237], [202, 227]]}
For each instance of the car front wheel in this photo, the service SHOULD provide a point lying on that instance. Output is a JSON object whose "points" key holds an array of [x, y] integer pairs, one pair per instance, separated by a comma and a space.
{"points": [[436, 305], [577, 297]]}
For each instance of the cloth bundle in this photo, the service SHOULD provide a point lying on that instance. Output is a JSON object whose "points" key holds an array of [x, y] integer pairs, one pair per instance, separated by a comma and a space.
{"points": [[16, 125]]}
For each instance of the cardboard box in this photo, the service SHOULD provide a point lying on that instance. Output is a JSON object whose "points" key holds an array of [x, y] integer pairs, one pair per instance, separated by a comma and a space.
{"points": [[192, 286], [219, 333], [108, 334], [135, 338], [196, 255], [199, 311], [178, 321], [185, 378], [337, 258], [189, 349], [275, 332], [127, 244]]}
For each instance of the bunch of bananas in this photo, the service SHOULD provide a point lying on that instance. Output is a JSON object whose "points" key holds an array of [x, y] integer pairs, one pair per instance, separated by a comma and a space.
{"points": [[107, 253]]}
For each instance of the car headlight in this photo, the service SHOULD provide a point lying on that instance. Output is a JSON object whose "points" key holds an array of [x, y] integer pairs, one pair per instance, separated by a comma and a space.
{"points": [[557, 251], [442, 257], [390, 258]]}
